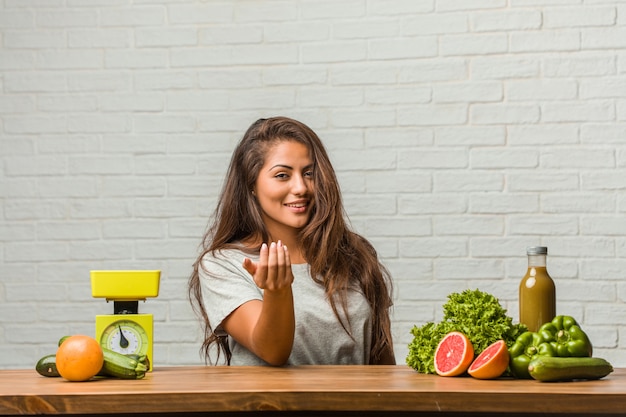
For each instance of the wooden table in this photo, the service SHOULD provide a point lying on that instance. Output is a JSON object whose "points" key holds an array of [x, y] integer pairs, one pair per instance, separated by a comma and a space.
{"points": [[309, 391]]}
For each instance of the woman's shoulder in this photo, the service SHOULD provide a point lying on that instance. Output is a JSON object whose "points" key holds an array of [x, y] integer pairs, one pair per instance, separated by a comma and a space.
{"points": [[224, 262], [226, 255]]}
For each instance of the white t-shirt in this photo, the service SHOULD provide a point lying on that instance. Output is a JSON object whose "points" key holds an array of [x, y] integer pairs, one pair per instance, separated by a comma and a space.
{"points": [[319, 338]]}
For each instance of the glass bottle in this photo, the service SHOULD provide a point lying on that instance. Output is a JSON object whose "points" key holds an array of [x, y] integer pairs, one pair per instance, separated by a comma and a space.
{"points": [[537, 293]]}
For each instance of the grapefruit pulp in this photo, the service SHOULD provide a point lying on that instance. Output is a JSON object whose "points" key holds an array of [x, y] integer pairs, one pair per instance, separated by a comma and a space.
{"points": [[491, 363], [453, 355]]}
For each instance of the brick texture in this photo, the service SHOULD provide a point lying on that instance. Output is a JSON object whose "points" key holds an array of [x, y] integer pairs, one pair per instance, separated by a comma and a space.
{"points": [[461, 131]]}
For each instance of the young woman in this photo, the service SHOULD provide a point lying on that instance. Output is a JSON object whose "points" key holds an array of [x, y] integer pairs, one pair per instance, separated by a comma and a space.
{"points": [[281, 278]]}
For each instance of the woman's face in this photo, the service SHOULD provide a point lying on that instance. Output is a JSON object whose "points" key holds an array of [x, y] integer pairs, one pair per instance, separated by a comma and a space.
{"points": [[284, 188]]}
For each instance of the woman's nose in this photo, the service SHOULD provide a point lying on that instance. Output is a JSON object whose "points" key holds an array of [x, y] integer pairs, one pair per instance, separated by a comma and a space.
{"points": [[299, 185]]}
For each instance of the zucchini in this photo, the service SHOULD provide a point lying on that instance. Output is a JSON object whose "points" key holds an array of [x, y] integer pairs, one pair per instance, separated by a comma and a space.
{"points": [[547, 368], [116, 364], [47, 366], [140, 358], [61, 340], [122, 366]]}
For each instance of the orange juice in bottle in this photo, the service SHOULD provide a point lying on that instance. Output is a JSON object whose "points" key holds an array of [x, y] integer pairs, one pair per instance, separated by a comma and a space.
{"points": [[537, 293]]}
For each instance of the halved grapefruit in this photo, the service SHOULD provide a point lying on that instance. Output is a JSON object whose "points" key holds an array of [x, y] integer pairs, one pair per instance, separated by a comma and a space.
{"points": [[453, 355], [491, 363]]}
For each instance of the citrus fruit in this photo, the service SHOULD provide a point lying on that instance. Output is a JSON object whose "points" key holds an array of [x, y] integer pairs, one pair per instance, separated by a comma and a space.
{"points": [[79, 358], [453, 355], [491, 363]]}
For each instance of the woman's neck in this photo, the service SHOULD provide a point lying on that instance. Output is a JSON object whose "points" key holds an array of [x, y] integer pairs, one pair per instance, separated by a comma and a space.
{"points": [[295, 250], [296, 256]]}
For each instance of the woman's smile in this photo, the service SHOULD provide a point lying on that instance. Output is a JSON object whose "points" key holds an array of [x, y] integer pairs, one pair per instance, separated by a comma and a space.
{"points": [[284, 188], [299, 206]]}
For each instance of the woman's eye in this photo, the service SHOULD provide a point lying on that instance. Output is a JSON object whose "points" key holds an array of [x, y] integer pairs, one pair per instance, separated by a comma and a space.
{"points": [[281, 175], [308, 174]]}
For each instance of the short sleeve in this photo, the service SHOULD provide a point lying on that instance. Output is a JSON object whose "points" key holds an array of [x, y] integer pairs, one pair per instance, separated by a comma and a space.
{"points": [[226, 285]]}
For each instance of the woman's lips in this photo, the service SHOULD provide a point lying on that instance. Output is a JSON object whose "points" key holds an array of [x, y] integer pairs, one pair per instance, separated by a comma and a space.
{"points": [[298, 206]]}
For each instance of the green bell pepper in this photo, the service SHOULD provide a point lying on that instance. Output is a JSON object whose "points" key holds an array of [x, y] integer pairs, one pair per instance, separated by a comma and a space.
{"points": [[566, 337], [526, 347]]}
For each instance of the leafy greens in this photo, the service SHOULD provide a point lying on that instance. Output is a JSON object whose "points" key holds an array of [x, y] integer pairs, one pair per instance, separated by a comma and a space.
{"points": [[474, 313]]}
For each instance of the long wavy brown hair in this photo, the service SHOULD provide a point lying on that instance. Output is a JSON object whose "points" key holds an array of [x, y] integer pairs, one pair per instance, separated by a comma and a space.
{"points": [[338, 257]]}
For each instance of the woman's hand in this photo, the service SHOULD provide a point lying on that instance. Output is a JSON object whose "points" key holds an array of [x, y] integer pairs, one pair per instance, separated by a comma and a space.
{"points": [[266, 328], [273, 271]]}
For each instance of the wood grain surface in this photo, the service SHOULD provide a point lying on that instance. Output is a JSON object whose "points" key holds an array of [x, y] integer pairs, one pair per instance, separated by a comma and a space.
{"points": [[364, 390]]}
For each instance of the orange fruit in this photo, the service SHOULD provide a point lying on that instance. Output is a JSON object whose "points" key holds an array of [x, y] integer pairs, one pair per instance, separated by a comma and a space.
{"points": [[79, 358], [453, 355], [491, 363]]}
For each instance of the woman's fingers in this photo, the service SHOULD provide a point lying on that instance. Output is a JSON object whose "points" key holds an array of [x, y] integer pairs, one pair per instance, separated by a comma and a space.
{"points": [[249, 266], [273, 272], [271, 267], [281, 268], [287, 259], [288, 272]]}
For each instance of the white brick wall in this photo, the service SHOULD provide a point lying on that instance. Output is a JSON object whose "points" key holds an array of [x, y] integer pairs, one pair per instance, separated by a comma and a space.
{"points": [[462, 132]]}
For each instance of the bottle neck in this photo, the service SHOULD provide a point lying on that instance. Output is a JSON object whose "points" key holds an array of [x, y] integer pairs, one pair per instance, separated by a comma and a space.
{"points": [[536, 260]]}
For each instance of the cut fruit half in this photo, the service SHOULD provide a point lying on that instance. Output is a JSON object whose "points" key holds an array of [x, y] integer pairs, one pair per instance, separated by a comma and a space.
{"points": [[491, 363], [453, 355]]}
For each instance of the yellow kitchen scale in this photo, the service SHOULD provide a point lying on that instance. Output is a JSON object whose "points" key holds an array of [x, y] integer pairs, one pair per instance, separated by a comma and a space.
{"points": [[125, 331]]}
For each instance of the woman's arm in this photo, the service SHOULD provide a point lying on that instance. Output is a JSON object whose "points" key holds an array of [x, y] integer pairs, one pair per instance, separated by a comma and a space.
{"points": [[266, 328]]}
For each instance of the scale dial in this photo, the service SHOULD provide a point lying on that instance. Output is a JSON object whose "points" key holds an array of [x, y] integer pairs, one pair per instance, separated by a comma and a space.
{"points": [[126, 337]]}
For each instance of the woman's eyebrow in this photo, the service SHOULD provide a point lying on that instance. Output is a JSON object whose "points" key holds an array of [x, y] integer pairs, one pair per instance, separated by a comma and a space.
{"points": [[280, 166], [290, 167]]}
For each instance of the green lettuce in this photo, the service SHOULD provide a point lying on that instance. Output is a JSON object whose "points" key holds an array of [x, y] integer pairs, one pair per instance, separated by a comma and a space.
{"points": [[474, 313]]}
